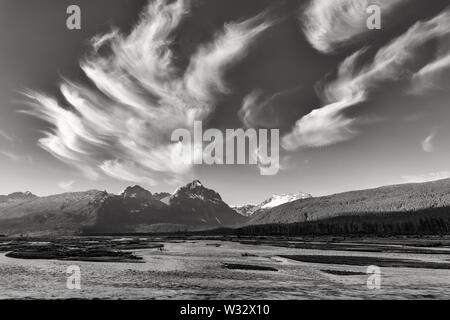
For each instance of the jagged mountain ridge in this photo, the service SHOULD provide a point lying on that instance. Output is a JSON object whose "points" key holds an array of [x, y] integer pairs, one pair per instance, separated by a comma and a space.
{"points": [[17, 196], [191, 207], [161, 195], [137, 192], [206, 205], [195, 207]]}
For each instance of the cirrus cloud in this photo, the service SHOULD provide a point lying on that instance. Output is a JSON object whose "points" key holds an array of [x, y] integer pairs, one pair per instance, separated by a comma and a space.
{"points": [[394, 62], [427, 143], [329, 25], [121, 124]]}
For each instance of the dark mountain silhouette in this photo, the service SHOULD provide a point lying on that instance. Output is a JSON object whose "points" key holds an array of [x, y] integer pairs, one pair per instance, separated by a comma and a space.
{"points": [[191, 207], [427, 221], [194, 202], [121, 213]]}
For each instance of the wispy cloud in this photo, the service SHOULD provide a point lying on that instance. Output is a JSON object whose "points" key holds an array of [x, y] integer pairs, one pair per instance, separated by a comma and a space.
{"points": [[331, 24], [393, 62], [66, 185], [321, 127], [261, 110], [427, 143], [5, 136], [433, 76], [16, 157], [121, 126], [10, 155], [252, 112]]}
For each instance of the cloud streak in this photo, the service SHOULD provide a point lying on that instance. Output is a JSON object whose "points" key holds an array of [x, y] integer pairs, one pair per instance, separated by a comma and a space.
{"points": [[427, 143], [434, 76], [397, 61], [260, 110], [121, 124], [5, 136], [66, 185], [329, 25], [15, 157]]}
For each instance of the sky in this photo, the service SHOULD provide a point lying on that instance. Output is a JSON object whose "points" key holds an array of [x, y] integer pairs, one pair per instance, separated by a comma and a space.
{"points": [[95, 108]]}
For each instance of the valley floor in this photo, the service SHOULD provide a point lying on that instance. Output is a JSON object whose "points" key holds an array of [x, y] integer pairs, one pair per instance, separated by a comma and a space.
{"points": [[213, 268]]}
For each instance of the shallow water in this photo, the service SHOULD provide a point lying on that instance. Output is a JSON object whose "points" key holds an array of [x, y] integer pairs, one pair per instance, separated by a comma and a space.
{"points": [[193, 270]]}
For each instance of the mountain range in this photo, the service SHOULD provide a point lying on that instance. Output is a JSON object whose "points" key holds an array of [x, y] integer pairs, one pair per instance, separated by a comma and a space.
{"points": [[420, 207], [191, 207]]}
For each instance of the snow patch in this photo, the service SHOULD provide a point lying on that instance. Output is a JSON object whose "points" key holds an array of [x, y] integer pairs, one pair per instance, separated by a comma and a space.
{"points": [[277, 200]]}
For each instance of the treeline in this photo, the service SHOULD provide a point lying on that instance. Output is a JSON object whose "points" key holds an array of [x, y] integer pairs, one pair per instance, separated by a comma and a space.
{"points": [[433, 221]]}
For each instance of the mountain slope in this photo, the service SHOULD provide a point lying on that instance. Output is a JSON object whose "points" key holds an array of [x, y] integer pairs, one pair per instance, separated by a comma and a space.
{"points": [[378, 201], [121, 213], [277, 200], [246, 210], [17, 197], [396, 209], [193, 203], [62, 214], [191, 207], [273, 201]]}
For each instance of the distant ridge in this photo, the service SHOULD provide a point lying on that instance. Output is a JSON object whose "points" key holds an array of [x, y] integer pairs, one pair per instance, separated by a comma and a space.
{"points": [[396, 209], [18, 196]]}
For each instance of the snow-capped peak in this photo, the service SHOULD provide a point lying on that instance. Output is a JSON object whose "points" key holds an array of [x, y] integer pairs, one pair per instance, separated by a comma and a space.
{"points": [[277, 200], [196, 190], [195, 184], [273, 201], [190, 186], [137, 192]]}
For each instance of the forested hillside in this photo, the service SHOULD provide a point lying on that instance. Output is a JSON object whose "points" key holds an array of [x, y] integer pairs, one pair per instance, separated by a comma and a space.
{"points": [[389, 202]]}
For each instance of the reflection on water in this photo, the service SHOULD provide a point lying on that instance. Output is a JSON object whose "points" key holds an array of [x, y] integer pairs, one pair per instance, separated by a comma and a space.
{"points": [[193, 270]]}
